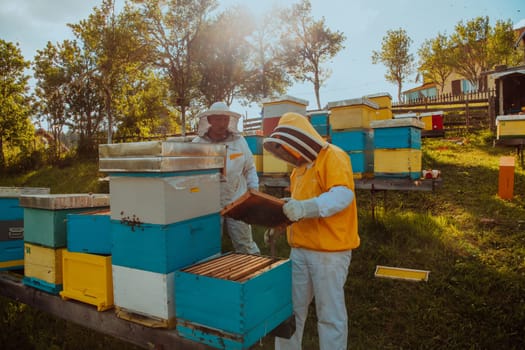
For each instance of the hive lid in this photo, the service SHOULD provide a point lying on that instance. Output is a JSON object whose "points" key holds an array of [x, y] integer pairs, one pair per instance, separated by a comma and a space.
{"points": [[396, 123], [405, 115], [159, 164], [427, 114], [64, 201], [379, 94], [161, 149], [353, 102], [509, 117], [285, 98], [257, 208], [15, 192]]}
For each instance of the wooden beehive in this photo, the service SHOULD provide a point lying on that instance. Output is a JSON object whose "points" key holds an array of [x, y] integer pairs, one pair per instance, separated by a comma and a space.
{"points": [[43, 267], [278, 106], [397, 133], [175, 198], [144, 297], [233, 300], [510, 126], [89, 232], [352, 114], [165, 248], [45, 216], [87, 278]]}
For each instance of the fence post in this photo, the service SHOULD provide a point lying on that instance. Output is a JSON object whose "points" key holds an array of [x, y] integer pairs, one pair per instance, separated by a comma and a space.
{"points": [[467, 113]]}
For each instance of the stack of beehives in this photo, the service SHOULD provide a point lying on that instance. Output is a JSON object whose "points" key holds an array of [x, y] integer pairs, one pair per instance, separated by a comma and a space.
{"points": [[12, 226], [273, 109], [45, 234], [165, 204]]}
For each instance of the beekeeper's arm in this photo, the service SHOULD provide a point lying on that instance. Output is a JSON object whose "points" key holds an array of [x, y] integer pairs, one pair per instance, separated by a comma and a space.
{"points": [[324, 205]]}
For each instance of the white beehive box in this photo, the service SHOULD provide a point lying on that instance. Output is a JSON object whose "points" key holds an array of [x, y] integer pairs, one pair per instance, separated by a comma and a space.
{"points": [[144, 297], [164, 200]]}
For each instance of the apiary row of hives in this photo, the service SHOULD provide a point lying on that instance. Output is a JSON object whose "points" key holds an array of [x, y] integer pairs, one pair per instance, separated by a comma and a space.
{"points": [[378, 144]]}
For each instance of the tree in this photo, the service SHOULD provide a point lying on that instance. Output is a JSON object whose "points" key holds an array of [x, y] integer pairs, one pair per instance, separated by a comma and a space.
{"points": [[395, 55], [477, 47], [15, 105], [50, 71], [267, 74], [501, 44], [435, 60], [470, 51], [307, 44], [172, 28], [221, 53], [114, 43]]}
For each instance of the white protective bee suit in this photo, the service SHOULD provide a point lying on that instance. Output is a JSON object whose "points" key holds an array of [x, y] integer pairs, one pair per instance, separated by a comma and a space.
{"points": [[239, 175]]}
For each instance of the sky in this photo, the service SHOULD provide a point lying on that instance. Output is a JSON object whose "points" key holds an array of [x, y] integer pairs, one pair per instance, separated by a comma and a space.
{"points": [[32, 23]]}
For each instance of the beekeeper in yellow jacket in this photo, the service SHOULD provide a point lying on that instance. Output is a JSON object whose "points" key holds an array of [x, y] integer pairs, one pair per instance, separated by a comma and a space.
{"points": [[218, 125], [323, 232]]}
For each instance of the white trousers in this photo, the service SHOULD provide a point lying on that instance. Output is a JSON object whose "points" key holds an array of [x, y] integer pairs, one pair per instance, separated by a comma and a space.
{"points": [[322, 276], [241, 235]]}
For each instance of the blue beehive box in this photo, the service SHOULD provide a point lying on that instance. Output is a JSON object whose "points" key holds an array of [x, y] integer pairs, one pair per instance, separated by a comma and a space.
{"points": [[353, 140], [397, 133], [321, 123], [232, 301], [11, 245], [89, 232], [402, 137], [165, 248], [45, 216], [10, 209], [362, 162], [255, 143]]}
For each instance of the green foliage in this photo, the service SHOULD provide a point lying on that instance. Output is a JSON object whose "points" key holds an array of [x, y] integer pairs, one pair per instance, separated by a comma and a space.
{"points": [[16, 129], [477, 47], [307, 44], [395, 55], [67, 176], [435, 60]]}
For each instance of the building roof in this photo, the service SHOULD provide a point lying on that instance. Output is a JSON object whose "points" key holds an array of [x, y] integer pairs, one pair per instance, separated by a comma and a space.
{"points": [[421, 87]]}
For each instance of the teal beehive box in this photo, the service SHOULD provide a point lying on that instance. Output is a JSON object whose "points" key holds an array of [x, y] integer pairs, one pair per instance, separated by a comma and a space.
{"points": [[353, 140], [165, 248], [45, 216], [232, 301], [89, 232], [397, 133], [10, 208]]}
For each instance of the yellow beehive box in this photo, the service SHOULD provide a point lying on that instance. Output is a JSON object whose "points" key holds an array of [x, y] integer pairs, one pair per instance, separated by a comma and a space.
{"points": [[352, 114], [510, 126], [397, 163], [258, 160], [274, 166], [427, 121], [383, 114], [87, 278], [43, 263], [383, 99]]}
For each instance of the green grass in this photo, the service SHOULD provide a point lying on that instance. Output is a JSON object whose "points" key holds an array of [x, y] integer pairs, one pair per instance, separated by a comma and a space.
{"points": [[471, 241]]}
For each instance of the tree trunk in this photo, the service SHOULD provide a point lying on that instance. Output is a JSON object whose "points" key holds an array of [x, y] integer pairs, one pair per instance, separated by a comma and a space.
{"points": [[2, 157]]}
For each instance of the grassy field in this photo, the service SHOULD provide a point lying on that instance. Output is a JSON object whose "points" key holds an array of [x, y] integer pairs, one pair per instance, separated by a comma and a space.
{"points": [[471, 241]]}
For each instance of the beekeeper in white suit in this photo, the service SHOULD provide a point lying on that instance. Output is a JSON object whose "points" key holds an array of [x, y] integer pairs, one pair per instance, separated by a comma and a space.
{"points": [[218, 125]]}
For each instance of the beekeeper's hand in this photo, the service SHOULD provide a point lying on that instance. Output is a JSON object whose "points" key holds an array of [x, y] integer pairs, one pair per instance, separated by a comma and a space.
{"points": [[296, 210]]}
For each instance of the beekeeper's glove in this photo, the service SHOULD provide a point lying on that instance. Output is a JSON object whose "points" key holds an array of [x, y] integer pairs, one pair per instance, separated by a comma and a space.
{"points": [[296, 210]]}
